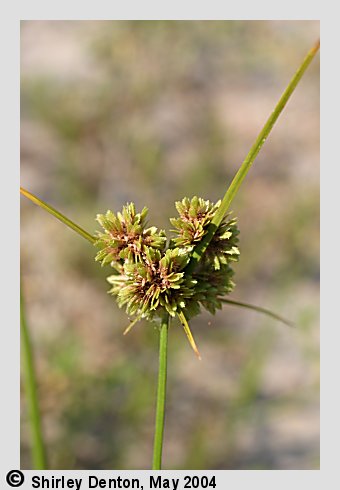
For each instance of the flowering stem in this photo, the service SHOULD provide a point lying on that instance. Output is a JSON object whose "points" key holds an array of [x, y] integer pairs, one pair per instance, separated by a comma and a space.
{"points": [[58, 215], [161, 394], [249, 160], [38, 449]]}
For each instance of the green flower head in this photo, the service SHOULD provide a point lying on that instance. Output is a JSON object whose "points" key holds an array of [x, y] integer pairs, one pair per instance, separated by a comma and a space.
{"points": [[194, 218], [153, 284], [223, 247], [125, 236], [151, 280]]}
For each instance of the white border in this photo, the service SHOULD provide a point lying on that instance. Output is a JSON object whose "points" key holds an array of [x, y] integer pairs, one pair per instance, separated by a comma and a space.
{"points": [[176, 9], [9, 209], [9, 353]]}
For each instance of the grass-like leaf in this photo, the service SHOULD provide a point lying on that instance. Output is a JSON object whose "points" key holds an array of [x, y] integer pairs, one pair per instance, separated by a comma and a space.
{"points": [[71, 224], [249, 160], [259, 309], [39, 459]]}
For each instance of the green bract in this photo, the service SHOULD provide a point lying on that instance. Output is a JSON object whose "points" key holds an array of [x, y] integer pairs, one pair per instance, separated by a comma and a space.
{"points": [[150, 278]]}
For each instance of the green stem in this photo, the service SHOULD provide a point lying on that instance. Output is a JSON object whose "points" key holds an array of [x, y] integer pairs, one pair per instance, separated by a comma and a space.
{"points": [[258, 309], [249, 160], [38, 449], [58, 215], [161, 395]]}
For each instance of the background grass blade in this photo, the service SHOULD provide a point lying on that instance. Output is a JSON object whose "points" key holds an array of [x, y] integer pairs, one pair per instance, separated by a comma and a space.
{"points": [[250, 158], [39, 459], [58, 215]]}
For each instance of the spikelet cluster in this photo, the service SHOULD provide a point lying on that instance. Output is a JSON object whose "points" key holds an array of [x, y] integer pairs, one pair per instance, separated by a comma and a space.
{"points": [[126, 237], [149, 278]]}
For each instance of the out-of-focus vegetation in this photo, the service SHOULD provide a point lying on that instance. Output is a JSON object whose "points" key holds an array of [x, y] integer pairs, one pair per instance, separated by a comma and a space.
{"points": [[150, 112]]}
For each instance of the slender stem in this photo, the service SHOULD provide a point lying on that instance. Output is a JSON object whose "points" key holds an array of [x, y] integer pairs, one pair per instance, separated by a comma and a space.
{"points": [[161, 395], [258, 309], [249, 160], [38, 449], [58, 215]]}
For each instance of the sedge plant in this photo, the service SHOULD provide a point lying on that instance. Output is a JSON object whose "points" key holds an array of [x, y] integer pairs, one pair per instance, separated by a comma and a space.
{"points": [[158, 277]]}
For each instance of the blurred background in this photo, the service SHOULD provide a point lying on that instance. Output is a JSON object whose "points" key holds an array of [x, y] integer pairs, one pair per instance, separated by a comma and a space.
{"points": [[150, 112]]}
